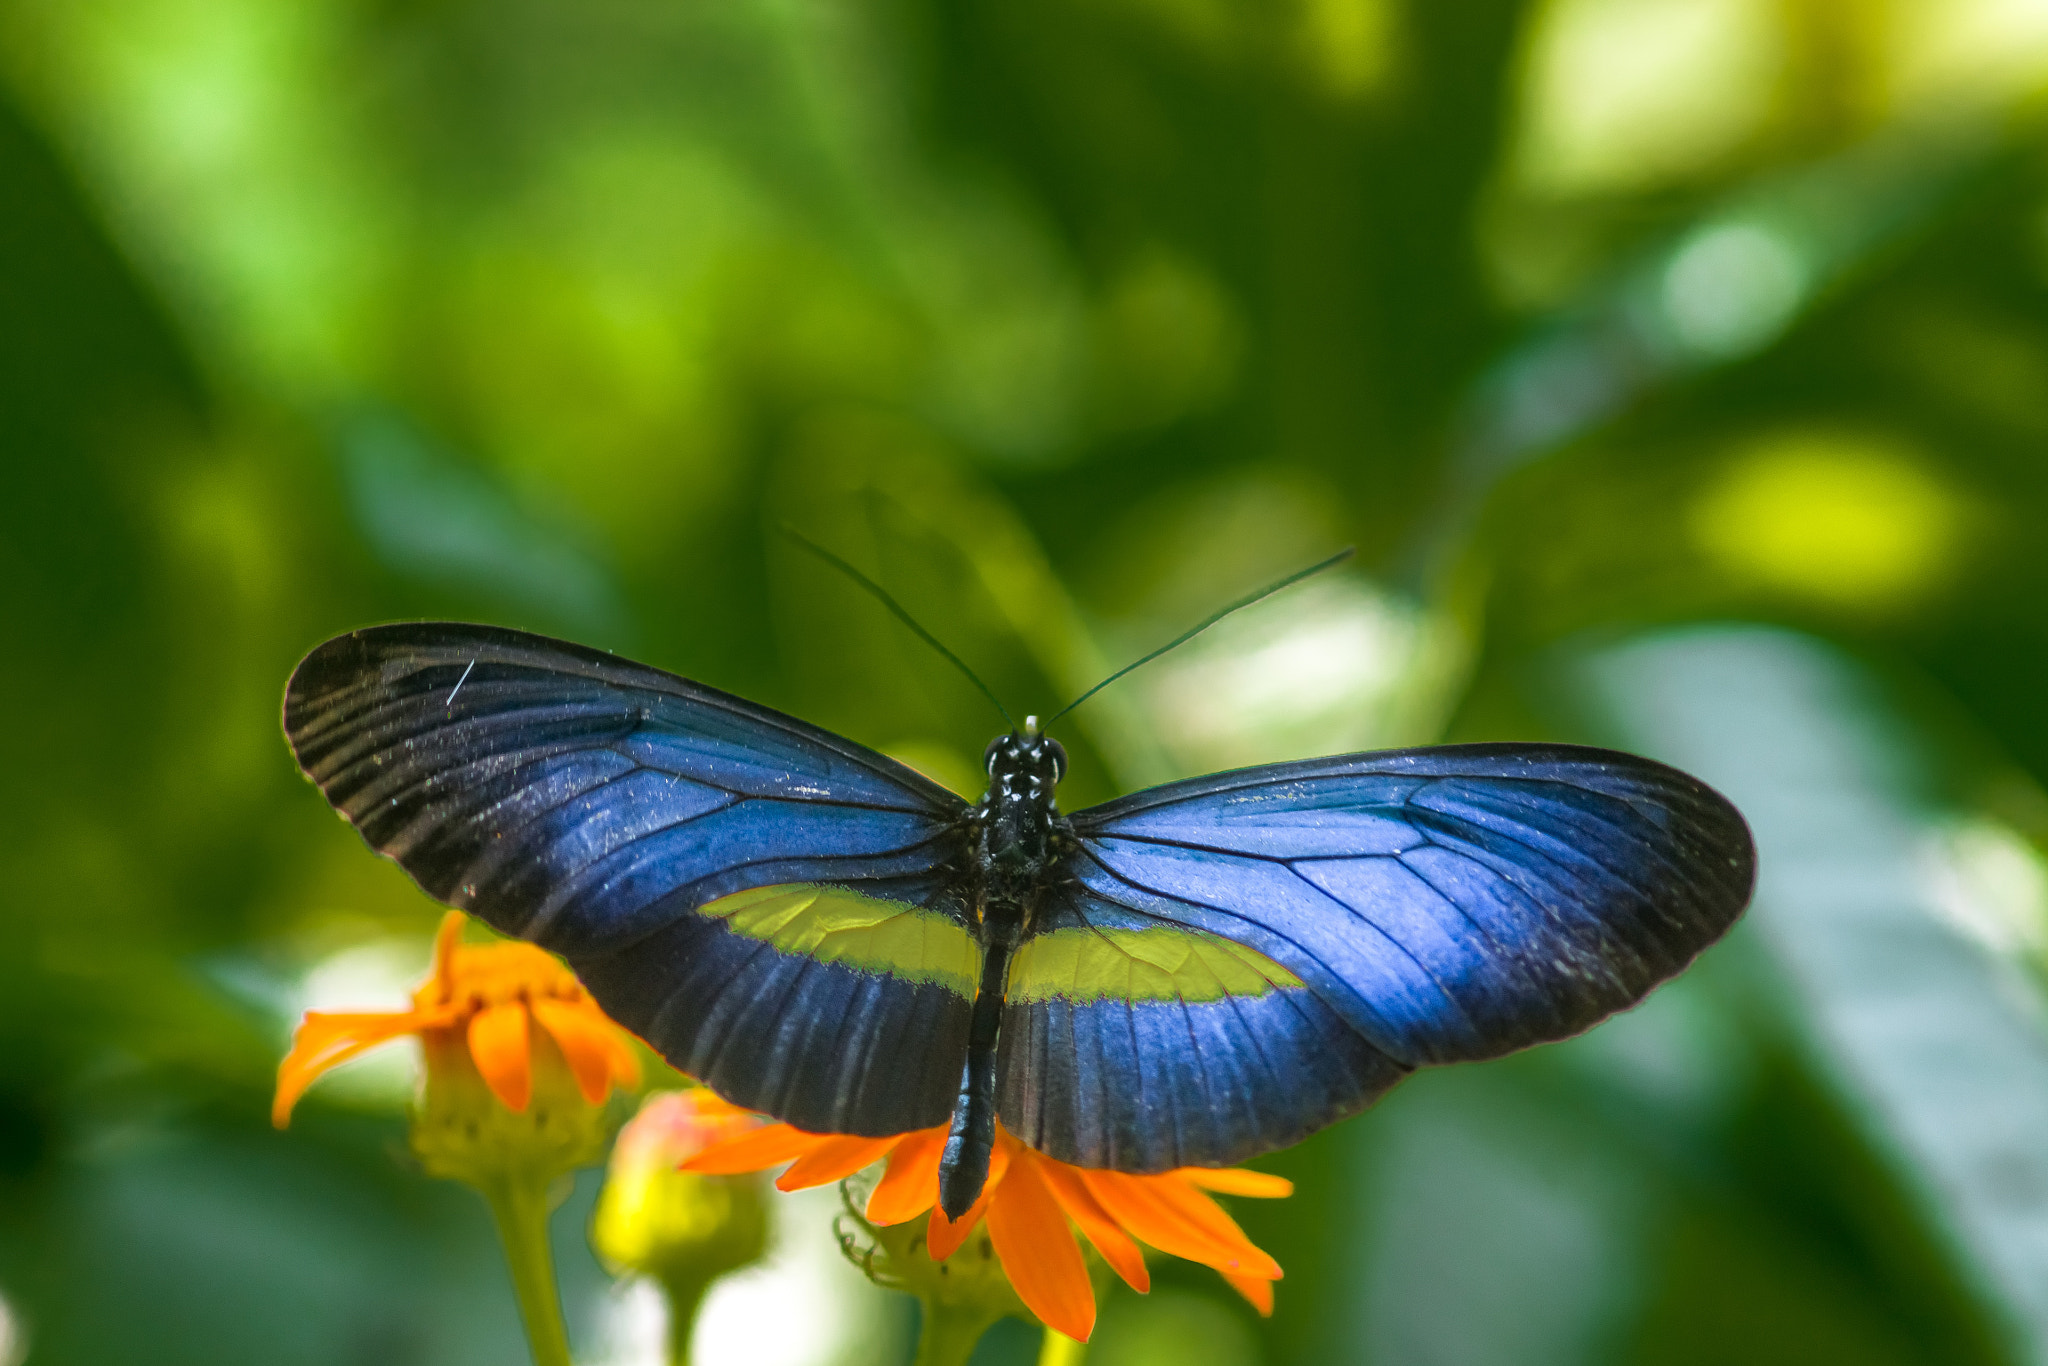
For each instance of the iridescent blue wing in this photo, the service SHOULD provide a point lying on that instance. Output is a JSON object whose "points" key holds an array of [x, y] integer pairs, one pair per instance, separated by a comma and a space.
{"points": [[774, 908], [1240, 959]]}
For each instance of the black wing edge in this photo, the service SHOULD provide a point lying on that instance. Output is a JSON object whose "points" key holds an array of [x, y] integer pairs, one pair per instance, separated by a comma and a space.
{"points": [[334, 668]]}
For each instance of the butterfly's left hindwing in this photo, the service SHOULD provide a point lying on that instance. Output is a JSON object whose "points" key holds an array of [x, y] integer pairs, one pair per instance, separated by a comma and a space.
{"points": [[776, 909], [1387, 911]]}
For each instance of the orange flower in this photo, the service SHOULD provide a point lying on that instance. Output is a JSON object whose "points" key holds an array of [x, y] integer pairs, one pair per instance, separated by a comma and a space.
{"points": [[1033, 1205], [482, 999]]}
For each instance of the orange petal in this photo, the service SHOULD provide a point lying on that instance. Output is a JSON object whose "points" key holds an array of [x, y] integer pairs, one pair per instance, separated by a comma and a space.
{"points": [[1124, 1256], [1169, 1215], [445, 940], [498, 1042], [709, 1103], [911, 1185], [768, 1146], [943, 1237], [1038, 1251], [1254, 1288], [838, 1157], [327, 1040], [589, 1042], [1208, 1216], [1237, 1181], [626, 1063]]}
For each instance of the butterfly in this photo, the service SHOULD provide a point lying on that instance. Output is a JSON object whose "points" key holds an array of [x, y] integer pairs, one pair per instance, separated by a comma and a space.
{"points": [[1186, 976]]}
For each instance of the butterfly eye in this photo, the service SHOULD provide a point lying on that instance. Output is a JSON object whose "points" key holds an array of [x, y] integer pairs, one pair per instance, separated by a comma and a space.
{"points": [[1059, 759], [988, 756]]}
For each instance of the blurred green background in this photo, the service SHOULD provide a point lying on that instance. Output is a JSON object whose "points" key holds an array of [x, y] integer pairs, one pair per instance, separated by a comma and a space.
{"points": [[1679, 368]]}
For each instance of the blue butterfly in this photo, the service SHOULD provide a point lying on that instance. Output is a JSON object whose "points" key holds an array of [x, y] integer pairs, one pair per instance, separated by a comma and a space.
{"points": [[1186, 976]]}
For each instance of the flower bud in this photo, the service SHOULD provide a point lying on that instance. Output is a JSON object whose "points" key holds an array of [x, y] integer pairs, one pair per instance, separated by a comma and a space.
{"points": [[673, 1225]]}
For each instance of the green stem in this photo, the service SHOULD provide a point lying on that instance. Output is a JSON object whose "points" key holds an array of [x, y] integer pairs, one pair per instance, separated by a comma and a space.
{"points": [[521, 1210], [685, 1298], [1060, 1350], [948, 1333]]}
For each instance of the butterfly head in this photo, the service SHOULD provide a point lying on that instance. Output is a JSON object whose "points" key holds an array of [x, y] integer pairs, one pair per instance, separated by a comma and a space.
{"points": [[1026, 761]]}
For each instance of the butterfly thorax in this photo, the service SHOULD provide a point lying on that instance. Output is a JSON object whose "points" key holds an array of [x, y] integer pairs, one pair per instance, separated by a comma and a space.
{"points": [[1018, 833]]}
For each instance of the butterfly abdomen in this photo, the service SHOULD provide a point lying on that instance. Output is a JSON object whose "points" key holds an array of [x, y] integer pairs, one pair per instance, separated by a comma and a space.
{"points": [[971, 1139]]}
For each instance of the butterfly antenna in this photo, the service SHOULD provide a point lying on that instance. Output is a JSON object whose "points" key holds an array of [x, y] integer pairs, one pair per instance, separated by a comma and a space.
{"points": [[882, 595], [1184, 637]]}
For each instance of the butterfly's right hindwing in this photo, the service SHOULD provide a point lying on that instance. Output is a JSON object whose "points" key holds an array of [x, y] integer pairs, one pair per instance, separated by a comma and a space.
{"points": [[623, 817]]}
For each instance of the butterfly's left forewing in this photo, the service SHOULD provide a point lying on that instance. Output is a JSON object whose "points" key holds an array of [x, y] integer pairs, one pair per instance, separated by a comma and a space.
{"points": [[774, 908], [1239, 959]]}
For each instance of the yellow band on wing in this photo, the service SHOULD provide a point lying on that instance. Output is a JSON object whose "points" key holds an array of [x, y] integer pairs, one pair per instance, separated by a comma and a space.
{"points": [[867, 933], [1141, 965]]}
